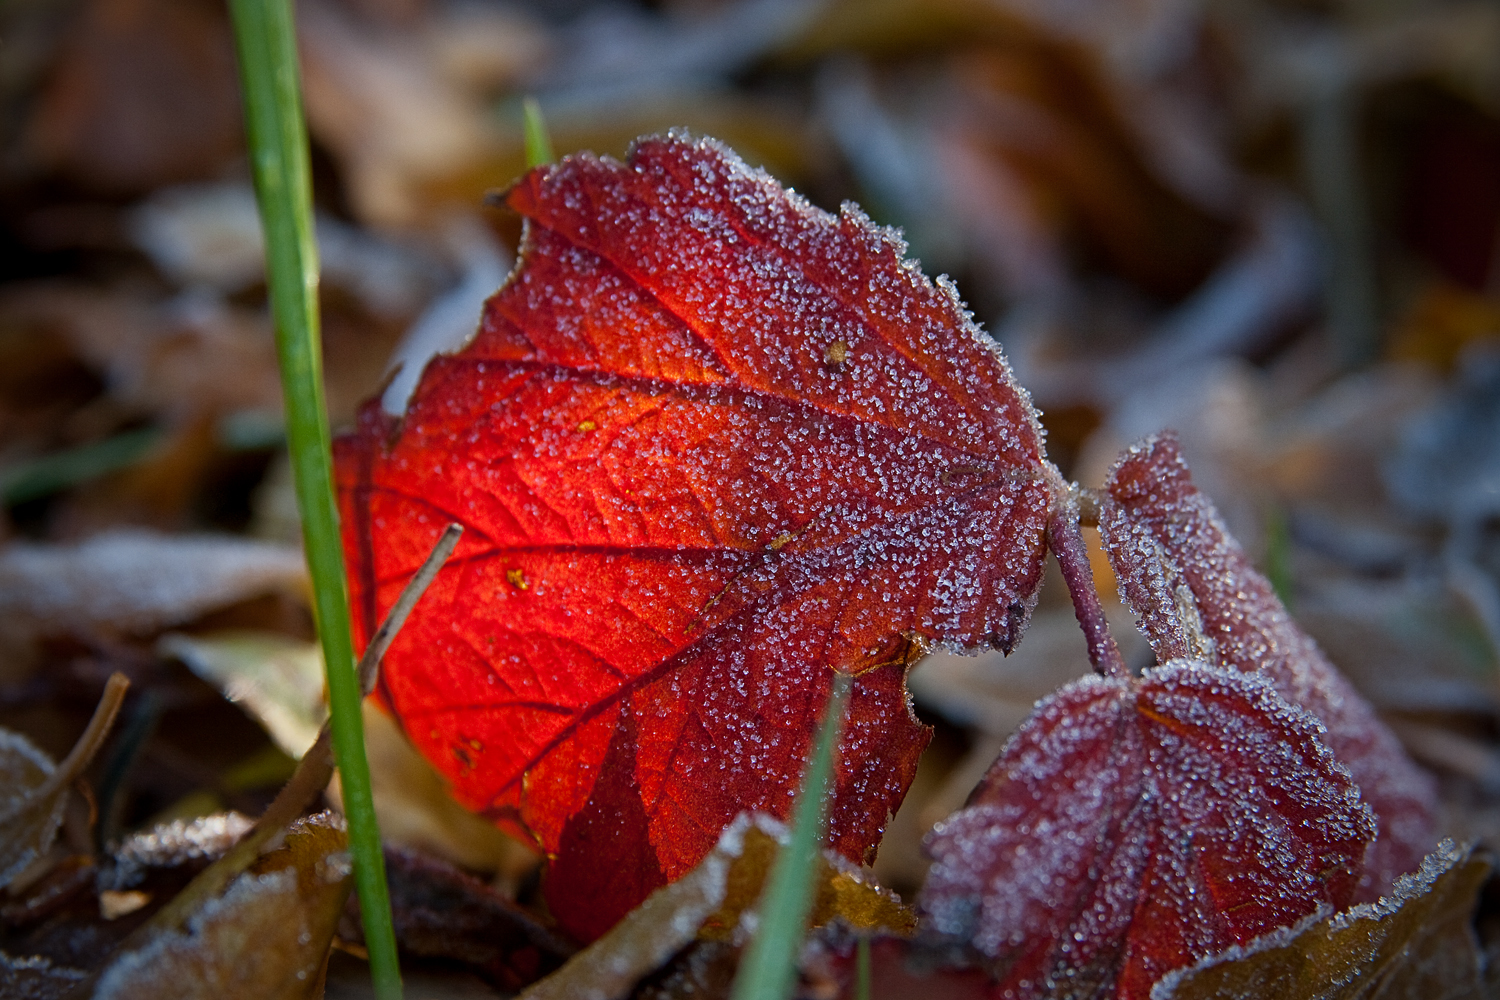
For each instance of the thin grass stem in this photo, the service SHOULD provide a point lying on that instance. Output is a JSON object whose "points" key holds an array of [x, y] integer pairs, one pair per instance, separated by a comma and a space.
{"points": [[770, 963], [265, 39]]}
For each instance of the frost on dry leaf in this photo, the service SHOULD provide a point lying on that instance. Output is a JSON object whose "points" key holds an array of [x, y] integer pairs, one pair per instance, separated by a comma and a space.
{"points": [[716, 902], [1135, 825], [34, 790], [709, 444], [35, 978], [193, 843], [1415, 944], [267, 936], [28, 822], [1197, 594], [136, 581]]}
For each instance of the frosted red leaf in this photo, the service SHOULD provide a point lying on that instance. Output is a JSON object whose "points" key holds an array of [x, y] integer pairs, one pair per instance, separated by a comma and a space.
{"points": [[1196, 593], [709, 444], [1135, 825]]}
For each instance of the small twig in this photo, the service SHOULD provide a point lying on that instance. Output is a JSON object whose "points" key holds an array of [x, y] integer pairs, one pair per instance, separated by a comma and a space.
{"points": [[369, 664], [312, 775], [78, 758], [1066, 543], [315, 769], [93, 735]]}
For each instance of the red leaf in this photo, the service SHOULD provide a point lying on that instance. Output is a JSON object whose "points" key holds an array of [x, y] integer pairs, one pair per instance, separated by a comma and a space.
{"points": [[1197, 594], [709, 444], [1135, 825]]}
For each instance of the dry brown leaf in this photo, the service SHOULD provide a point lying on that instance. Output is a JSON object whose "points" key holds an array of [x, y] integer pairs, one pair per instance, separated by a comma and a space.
{"points": [[143, 94], [35, 978], [276, 679], [1415, 944], [137, 581], [709, 903], [35, 790], [439, 912], [30, 821], [385, 112], [1445, 319], [267, 936], [178, 358], [190, 844], [843, 892]]}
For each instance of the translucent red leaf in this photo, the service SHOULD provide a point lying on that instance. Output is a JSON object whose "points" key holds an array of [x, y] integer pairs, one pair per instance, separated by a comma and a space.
{"points": [[709, 444], [1196, 593], [1135, 825]]}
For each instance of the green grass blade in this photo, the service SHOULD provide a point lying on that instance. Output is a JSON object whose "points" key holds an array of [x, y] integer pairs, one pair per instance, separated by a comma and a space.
{"points": [[1279, 555], [266, 42], [538, 143], [61, 470], [770, 962]]}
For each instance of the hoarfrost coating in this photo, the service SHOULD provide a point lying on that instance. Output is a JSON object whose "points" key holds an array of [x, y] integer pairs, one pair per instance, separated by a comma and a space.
{"points": [[1133, 826], [709, 444]]}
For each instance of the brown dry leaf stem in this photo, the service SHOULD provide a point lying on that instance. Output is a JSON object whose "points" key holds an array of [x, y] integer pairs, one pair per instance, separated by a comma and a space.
{"points": [[311, 776], [29, 821]]}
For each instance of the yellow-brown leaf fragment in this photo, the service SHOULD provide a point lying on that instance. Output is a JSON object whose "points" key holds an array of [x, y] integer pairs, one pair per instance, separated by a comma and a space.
{"points": [[267, 936], [707, 904], [842, 892], [1415, 944]]}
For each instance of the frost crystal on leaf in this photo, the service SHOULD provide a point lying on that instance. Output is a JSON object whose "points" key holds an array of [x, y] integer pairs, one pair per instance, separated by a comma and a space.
{"points": [[1196, 593], [1133, 826], [709, 444]]}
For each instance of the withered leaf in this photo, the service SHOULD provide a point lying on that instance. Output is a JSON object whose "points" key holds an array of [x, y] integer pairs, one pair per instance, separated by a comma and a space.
{"points": [[843, 891], [34, 790], [267, 936], [709, 904], [276, 679], [29, 820], [35, 978], [137, 581], [1415, 944], [441, 913]]}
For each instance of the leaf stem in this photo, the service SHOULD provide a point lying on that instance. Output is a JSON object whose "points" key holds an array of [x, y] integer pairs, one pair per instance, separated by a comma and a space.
{"points": [[770, 962], [1066, 542], [265, 39]]}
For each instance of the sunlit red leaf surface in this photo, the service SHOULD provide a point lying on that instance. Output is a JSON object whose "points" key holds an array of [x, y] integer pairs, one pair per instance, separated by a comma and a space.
{"points": [[709, 444], [1135, 825], [1197, 594]]}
